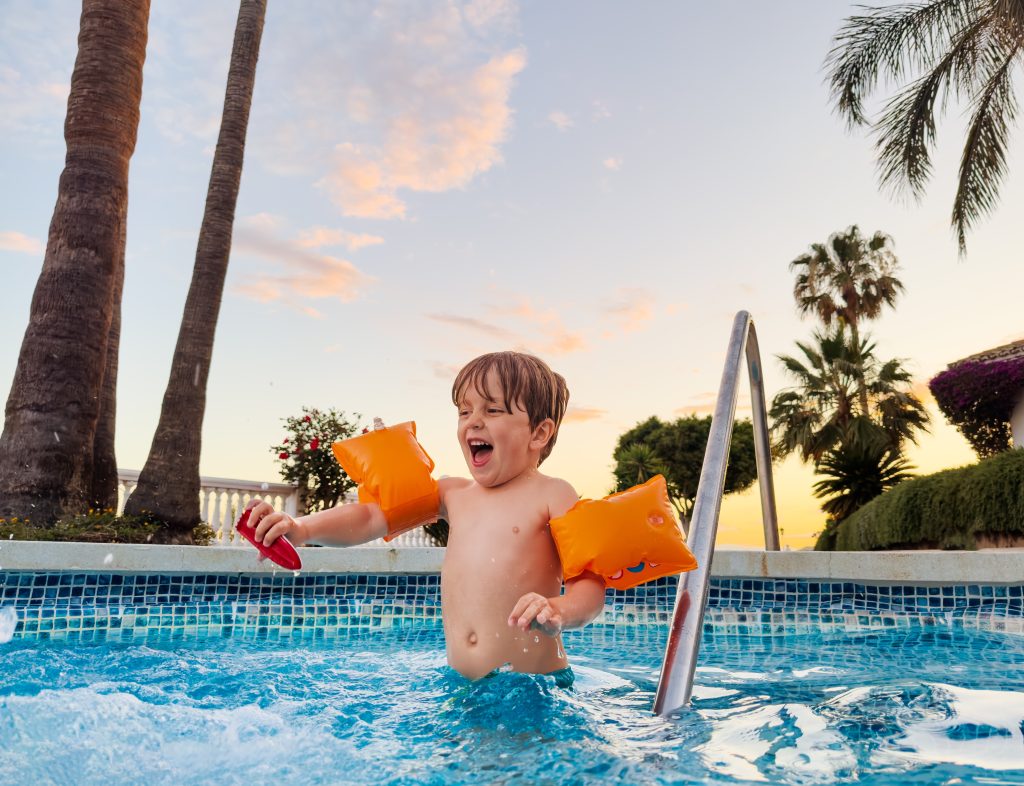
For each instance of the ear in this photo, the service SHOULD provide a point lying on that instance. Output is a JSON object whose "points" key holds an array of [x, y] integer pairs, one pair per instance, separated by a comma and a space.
{"points": [[542, 434]]}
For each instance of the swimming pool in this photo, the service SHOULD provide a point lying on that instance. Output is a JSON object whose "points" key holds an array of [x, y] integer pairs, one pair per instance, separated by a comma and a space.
{"points": [[327, 678]]}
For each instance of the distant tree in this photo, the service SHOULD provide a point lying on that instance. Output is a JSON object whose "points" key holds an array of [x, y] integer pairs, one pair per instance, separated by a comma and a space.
{"points": [[965, 50], [168, 487], [675, 449], [822, 411], [858, 451], [848, 280], [63, 385]]}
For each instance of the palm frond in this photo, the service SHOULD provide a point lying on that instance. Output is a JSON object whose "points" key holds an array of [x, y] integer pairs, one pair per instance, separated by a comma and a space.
{"points": [[906, 130], [983, 164], [890, 40]]}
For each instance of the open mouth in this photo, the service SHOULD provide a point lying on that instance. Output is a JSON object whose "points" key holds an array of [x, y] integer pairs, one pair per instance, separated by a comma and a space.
{"points": [[480, 450]]}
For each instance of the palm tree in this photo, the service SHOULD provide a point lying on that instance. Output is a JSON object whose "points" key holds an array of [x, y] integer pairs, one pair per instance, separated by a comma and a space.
{"points": [[103, 494], [636, 464], [852, 478], [966, 50], [850, 278], [48, 446], [822, 412], [168, 488]]}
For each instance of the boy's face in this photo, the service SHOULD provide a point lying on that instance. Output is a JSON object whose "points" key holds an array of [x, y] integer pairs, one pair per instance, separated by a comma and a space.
{"points": [[498, 445]]}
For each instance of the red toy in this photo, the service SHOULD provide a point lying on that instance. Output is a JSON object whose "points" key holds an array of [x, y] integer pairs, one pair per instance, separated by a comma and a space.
{"points": [[280, 551]]}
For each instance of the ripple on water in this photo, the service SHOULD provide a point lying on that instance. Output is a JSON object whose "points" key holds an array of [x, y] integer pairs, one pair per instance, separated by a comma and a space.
{"points": [[380, 708]]}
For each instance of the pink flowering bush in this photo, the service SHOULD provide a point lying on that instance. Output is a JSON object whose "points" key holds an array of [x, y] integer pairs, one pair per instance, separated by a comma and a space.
{"points": [[978, 398], [306, 458]]}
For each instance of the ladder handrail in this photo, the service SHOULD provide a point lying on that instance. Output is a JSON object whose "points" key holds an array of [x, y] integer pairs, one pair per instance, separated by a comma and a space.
{"points": [[677, 669]]}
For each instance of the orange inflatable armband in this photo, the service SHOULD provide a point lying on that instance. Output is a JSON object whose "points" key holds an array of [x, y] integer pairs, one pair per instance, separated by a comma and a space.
{"points": [[393, 471], [627, 539]]}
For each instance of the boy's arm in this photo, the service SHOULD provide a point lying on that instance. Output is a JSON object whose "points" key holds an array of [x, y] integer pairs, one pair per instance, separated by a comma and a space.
{"points": [[583, 598], [344, 525]]}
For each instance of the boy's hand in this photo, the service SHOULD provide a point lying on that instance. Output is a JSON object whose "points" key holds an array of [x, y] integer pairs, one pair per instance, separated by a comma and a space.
{"points": [[271, 524], [534, 610]]}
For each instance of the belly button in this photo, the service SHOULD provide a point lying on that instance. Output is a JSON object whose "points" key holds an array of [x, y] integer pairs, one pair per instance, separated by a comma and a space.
{"points": [[515, 530], [472, 639]]}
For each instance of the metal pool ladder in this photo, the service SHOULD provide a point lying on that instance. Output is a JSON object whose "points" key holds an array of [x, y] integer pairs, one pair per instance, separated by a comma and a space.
{"points": [[676, 681]]}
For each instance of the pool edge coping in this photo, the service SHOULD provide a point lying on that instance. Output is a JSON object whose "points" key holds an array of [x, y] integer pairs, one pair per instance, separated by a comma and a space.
{"points": [[988, 566]]}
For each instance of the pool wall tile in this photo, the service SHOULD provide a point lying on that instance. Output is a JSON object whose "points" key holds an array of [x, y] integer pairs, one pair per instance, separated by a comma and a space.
{"points": [[96, 606]]}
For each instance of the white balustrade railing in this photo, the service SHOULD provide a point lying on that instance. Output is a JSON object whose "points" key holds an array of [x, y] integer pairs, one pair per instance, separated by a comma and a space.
{"points": [[222, 501]]}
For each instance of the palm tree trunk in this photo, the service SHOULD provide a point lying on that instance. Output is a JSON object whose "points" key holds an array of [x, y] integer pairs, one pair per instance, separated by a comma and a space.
{"points": [[168, 488], [47, 443], [862, 386], [104, 459]]}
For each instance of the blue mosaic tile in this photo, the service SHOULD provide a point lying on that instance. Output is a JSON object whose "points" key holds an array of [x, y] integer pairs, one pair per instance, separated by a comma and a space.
{"points": [[96, 606]]}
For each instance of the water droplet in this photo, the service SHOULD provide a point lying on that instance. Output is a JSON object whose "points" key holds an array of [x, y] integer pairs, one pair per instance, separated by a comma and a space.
{"points": [[536, 639], [56, 436], [108, 559], [526, 649]]}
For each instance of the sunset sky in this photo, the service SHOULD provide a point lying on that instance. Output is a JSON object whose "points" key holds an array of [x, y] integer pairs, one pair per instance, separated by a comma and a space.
{"points": [[602, 183]]}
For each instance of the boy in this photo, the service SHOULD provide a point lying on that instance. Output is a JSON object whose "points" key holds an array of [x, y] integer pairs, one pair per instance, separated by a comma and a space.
{"points": [[501, 576]]}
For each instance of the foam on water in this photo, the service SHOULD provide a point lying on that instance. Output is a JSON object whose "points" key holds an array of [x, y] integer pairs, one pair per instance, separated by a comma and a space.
{"points": [[8, 623], [384, 708]]}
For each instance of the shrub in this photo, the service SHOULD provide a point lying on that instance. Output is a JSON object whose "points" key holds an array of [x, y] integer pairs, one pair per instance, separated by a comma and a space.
{"points": [[306, 457], [98, 526], [949, 509], [978, 396]]}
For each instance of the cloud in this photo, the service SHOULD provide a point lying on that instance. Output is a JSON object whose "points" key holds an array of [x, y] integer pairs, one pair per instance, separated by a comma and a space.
{"points": [[632, 309], [612, 163], [263, 222], [318, 237], [303, 275], [539, 332], [448, 133], [22, 244], [560, 120], [471, 323], [554, 338], [445, 371], [388, 98], [576, 414], [559, 341], [704, 404]]}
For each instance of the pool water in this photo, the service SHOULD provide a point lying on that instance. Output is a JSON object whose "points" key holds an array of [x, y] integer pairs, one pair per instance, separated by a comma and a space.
{"points": [[926, 704]]}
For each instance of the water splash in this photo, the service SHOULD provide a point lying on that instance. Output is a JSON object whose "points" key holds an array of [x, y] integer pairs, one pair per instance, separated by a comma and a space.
{"points": [[8, 623]]}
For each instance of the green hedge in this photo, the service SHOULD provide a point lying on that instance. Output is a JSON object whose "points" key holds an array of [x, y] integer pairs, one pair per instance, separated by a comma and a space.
{"points": [[947, 510]]}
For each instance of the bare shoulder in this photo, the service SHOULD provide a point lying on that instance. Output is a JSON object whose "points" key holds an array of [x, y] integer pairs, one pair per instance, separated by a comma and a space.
{"points": [[559, 495], [446, 486]]}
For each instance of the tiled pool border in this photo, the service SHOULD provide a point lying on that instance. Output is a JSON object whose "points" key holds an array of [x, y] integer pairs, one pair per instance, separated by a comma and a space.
{"points": [[107, 593]]}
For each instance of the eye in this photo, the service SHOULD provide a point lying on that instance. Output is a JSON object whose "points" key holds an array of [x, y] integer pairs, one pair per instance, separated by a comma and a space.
{"points": [[495, 411]]}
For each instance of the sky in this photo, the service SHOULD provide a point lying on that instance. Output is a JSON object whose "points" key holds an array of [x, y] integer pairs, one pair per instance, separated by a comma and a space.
{"points": [[601, 183]]}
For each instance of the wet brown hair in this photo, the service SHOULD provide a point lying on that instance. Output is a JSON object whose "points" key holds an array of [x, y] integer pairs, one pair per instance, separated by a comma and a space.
{"points": [[526, 381]]}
